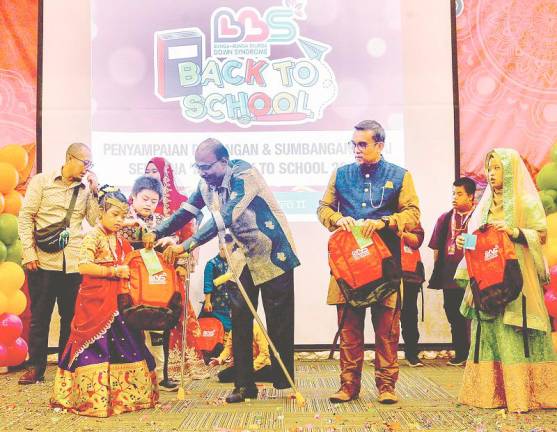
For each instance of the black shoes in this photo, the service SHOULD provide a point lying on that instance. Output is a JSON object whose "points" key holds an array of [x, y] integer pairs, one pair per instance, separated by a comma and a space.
{"points": [[168, 385], [281, 385], [240, 394], [457, 361], [414, 361]]}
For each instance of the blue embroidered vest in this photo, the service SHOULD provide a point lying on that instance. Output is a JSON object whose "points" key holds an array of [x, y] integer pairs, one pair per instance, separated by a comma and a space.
{"points": [[369, 191]]}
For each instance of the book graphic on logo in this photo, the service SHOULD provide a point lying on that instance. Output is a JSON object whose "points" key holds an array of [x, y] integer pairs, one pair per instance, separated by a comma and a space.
{"points": [[179, 54]]}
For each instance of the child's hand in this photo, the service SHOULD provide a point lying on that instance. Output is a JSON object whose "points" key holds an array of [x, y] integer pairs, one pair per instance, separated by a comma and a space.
{"points": [[122, 272], [208, 306], [181, 271], [149, 240], [502, 226], [214, 362]]}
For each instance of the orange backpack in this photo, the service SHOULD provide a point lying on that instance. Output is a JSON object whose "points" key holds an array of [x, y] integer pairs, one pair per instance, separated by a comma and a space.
{"points": [[366, 275], [495, 276], [150, 302]]}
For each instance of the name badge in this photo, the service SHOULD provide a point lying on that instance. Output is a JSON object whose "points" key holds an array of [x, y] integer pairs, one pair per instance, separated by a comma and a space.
{"points": [[470, 241]]}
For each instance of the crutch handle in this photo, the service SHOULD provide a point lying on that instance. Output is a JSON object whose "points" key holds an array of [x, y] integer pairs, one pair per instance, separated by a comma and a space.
{"points": [[222, 279]]}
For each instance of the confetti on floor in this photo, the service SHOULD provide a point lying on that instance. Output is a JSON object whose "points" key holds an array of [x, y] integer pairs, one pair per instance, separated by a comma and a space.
{"points": [[427, 403]]}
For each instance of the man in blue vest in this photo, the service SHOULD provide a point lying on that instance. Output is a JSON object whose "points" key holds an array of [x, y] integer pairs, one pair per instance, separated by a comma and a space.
{"points": [[381, 196]]}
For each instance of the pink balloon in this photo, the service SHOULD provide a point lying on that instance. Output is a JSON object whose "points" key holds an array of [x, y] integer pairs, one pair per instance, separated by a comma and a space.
{"points": [[17, 353], [11, 328], [551, 303], [3, 355]]}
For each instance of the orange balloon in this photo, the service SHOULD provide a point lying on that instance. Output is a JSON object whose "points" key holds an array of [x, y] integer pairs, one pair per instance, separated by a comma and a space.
{"points": [[9, 177], [13, 202], [17, 303], [24, 174], [3, 302], [2, 202], [15, 155]]}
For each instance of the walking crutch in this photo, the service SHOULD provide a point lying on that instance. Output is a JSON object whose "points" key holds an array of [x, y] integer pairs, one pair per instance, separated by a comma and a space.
{"points": [[181, 390], [233, 274]]}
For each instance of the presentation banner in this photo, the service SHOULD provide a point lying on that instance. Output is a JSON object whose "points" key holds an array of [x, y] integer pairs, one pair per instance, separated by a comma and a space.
{"points": [[280, 83]]}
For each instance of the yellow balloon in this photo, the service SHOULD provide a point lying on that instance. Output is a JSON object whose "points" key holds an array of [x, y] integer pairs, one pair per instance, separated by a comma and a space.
{"points": [[12, 277], [15, 155], [3, 303], [550, 250], [16, 303], [552, 225]]}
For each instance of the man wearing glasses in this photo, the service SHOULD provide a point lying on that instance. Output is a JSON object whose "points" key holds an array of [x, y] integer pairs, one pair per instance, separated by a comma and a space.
{"points": [[53, 277], [380, 196], [239, 199]]}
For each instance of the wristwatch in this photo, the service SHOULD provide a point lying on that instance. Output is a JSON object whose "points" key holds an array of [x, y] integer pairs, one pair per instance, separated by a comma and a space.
{"points": [[387, 221]]}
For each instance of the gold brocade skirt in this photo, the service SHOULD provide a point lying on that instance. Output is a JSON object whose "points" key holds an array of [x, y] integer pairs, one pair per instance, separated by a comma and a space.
{"points": [[517, 387], [104, 389], [504, 377]]}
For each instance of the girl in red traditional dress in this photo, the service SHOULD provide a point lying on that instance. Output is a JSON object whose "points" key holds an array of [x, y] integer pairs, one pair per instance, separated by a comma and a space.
{"points": [[106, 368]]}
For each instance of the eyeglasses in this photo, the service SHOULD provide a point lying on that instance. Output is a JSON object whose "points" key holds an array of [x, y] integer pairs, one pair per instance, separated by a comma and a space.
{"points": [[362, 145], [86, 163], [204, 168]]}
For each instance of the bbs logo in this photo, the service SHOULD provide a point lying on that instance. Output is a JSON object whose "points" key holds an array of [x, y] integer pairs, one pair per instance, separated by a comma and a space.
{"points": [[158, 279], [358, 254]]}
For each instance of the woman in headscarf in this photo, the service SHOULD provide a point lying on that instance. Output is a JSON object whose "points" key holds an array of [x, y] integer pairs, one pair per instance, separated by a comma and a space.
{"points": [[504, 375], [171, 201]]}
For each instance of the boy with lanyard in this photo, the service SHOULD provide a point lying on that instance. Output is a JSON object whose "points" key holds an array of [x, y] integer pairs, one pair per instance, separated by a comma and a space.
{"points": [[447, 257]]}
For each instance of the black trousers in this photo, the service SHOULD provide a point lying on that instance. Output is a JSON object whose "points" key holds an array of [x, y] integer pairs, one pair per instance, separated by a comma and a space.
{"points": [[228, 375], [452, 298], [278, 302], [409, 318], [46, 288]]}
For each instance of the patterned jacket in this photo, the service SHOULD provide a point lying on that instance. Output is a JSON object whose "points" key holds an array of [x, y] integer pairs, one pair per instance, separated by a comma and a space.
{"points": [[245, 205]]}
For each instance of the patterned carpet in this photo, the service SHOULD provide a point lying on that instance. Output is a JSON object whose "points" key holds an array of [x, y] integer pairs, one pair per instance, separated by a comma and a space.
{"points": [[427, 402]]}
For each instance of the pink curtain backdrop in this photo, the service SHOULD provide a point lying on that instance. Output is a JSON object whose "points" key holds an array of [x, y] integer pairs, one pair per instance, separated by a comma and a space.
{"points": [[507, 73]]}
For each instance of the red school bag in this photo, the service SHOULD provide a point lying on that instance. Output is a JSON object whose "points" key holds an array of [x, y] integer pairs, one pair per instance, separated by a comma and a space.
{"points": [[150, 302], [411, 263], [493, 269], [212, 333], [495, 278], [365, 275]]}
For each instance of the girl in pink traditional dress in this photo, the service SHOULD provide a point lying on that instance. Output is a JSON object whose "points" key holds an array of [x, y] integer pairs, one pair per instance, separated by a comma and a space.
{"points": [[106, 368]]}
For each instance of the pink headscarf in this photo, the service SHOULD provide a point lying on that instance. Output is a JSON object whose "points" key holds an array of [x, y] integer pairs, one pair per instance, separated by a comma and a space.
{"points": [[171, 199]]}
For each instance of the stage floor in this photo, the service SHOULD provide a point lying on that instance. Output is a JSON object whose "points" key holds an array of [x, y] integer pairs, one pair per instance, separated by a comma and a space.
{"points": [[427, 402]]}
